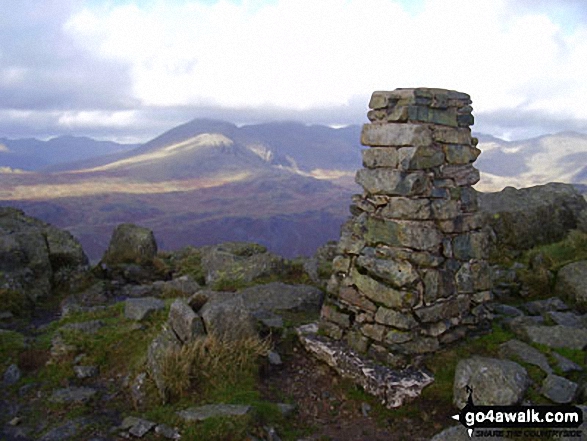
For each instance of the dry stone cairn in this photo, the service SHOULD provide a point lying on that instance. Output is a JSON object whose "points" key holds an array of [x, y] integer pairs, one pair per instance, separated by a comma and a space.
{"points": [[411, 271]]}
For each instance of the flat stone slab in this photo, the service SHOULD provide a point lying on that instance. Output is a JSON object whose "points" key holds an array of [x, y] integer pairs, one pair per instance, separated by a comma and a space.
{"points": [[73, 395], [557, 336], [141, 308], [393, 387], [526, 353], [213, 410]]}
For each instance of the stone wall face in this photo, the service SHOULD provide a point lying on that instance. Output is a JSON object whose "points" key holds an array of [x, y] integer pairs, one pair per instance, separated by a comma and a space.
{"points": [[411, 271]]}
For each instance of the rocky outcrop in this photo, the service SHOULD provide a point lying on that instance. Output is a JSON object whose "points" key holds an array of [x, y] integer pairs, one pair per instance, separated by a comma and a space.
{"points": [[35, 257], [524, 218], [238, 262]]}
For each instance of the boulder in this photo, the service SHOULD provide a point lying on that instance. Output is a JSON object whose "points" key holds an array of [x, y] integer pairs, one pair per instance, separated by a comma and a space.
{"points": [[130, 244], [524, 218], [229, 319], [238, 262], [35, 256], [571, 284], [494, 382]]}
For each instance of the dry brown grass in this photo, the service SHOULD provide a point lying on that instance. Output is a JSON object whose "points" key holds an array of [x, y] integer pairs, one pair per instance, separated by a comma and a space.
{"points": [[210, 363]]}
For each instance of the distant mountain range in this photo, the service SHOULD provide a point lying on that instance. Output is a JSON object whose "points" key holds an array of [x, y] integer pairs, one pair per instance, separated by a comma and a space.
{"points": [[286, 185], [32, 154]]}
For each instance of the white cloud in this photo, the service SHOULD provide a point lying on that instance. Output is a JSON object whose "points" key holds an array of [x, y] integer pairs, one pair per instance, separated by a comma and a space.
{"points": [[302, 53], [158, 63]]}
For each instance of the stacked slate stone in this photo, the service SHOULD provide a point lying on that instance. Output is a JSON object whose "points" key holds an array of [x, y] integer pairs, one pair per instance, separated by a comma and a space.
{"points": [[411, 271]]}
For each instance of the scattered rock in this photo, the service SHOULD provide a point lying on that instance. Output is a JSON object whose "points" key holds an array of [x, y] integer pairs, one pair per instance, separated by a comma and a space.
{"points": [[73, 395], [566, 318], [494, 382], [570, 284], [559, 389], [141, 427], [213, 410], [186, 324], [85, 371], [526, 353], [538, 307], [167, 432], [140, 309], [11, 375], [68, 430]]}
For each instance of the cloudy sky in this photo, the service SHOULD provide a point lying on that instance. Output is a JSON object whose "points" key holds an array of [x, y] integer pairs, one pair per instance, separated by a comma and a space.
{"points": [[131, 69]]}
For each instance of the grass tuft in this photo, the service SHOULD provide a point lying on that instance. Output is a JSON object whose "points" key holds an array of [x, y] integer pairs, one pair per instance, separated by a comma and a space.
{"points": [[213, 366]]}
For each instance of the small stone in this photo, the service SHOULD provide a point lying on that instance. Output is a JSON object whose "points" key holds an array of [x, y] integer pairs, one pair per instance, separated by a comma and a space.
{"points": [[11, 375], [141, 428], [167, 432], [274, 358], [85, 371], [365, 409], [15, 421], [286, 409]]}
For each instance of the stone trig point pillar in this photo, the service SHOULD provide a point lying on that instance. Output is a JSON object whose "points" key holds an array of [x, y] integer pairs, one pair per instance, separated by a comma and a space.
{"points": [[411, 272]]}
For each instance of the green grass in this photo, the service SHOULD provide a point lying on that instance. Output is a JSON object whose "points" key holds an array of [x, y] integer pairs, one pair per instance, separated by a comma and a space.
{"points": [[11, 345]]}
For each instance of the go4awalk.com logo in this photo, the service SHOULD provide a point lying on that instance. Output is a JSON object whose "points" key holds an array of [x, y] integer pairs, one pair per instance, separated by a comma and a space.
{"points": [[548, 422]]}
